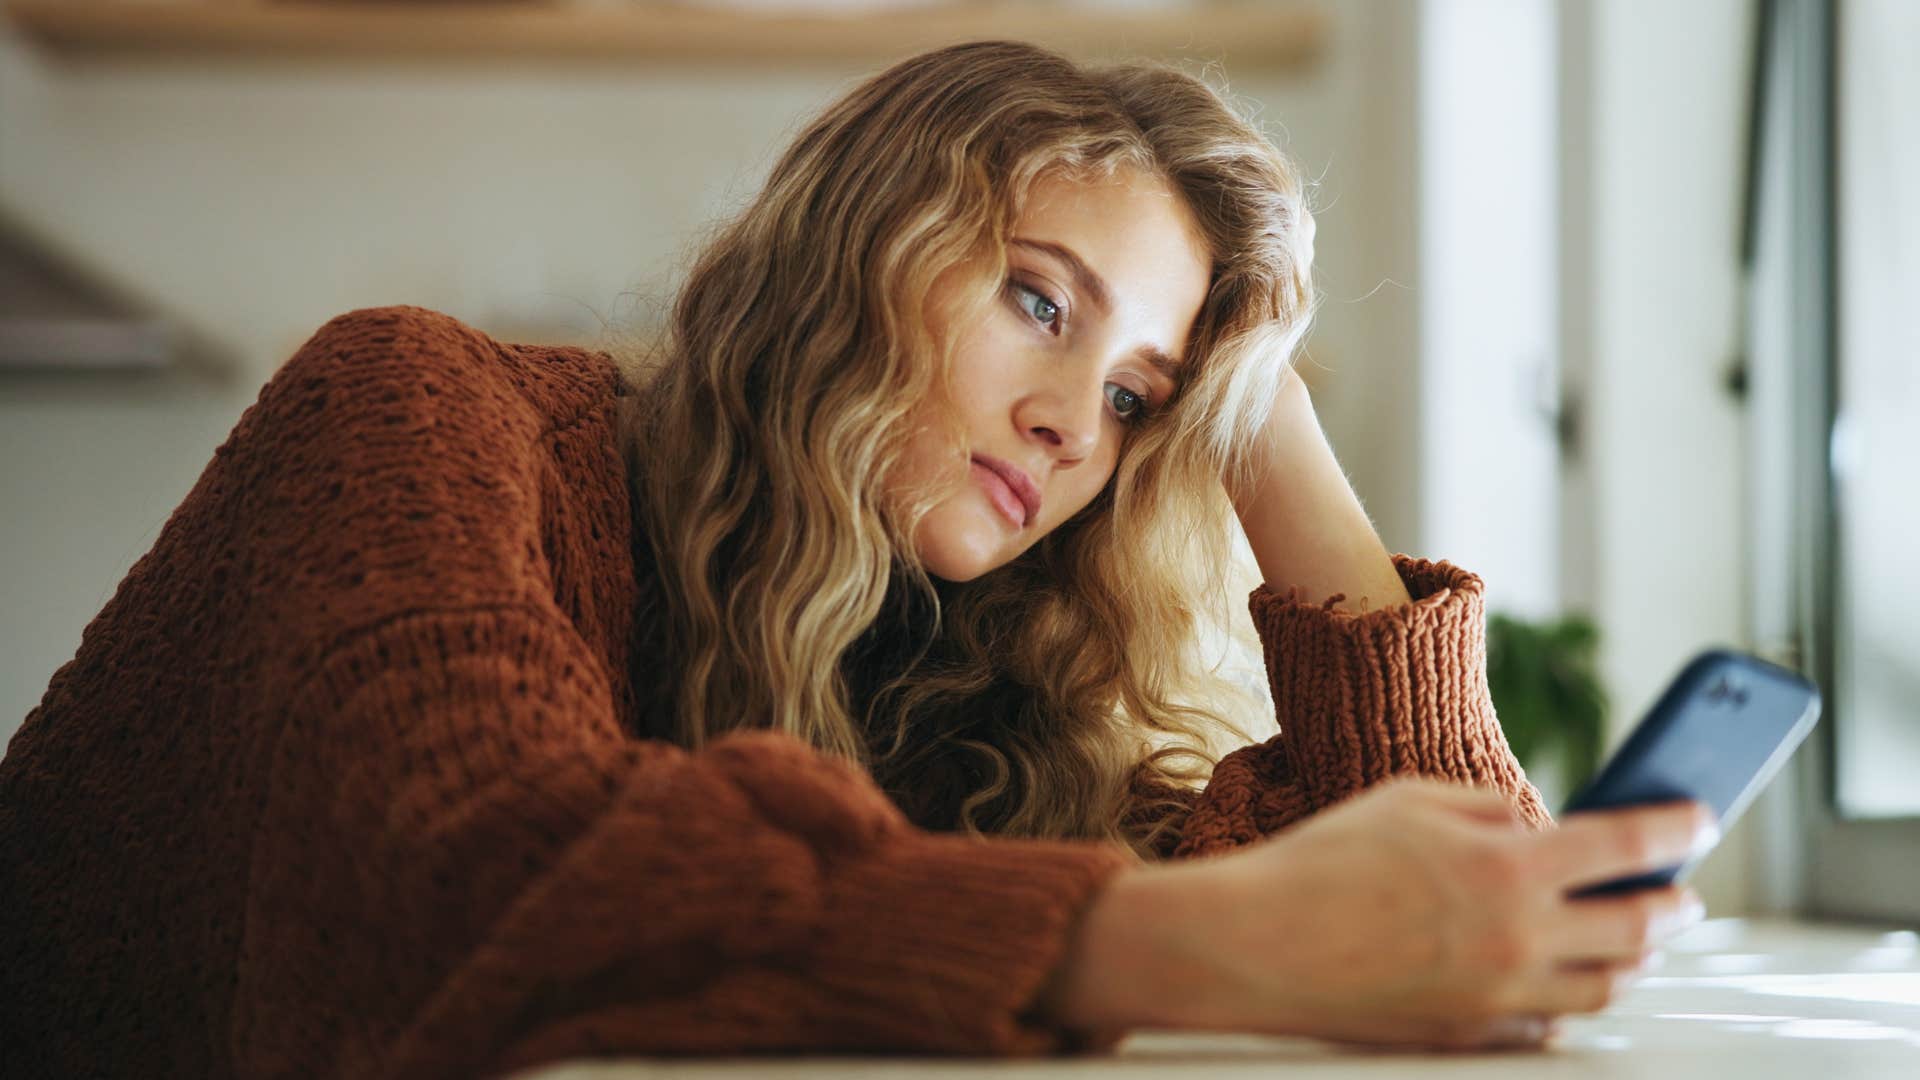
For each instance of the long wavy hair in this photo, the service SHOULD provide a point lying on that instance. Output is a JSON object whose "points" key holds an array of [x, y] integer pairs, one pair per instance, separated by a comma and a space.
{"points": [[1043, 698]]}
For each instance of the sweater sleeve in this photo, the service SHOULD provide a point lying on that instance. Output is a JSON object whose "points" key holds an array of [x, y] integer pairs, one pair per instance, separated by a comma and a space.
{"points": [[1363, 696], [479, 873]]}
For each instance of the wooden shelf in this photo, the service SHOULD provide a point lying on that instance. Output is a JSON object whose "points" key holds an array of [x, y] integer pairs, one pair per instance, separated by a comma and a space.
{"points": [[1246, 35]]}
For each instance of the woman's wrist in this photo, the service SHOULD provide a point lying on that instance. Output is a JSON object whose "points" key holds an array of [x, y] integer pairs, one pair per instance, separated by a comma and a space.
{"points": [[1091, 990], [1080, 994], [1124, 967]]}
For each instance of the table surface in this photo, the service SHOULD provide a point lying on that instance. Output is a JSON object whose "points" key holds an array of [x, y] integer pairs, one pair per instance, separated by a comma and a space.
{"points": [[1749, 998]]}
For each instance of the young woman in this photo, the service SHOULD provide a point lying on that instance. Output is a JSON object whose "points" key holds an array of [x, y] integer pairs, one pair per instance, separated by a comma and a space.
{"points": [[826, 680]]}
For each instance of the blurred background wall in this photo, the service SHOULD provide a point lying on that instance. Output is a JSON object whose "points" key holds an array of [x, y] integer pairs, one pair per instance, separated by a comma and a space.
{"points": [[1527, 243]]}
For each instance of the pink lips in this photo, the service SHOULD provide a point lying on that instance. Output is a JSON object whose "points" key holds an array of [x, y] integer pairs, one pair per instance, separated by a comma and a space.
{"points": [[1010, 489]]}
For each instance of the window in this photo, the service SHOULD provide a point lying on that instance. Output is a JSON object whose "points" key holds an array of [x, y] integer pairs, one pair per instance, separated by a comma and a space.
{"points": [[1836, 446]]}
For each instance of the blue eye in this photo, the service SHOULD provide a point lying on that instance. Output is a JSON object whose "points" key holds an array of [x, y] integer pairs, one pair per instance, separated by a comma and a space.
{"points": [[1127, 405], [1041, 310]]}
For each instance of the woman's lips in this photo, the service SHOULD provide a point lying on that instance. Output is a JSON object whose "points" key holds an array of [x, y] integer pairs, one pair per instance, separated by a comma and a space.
{"points": [[1001, 495]]}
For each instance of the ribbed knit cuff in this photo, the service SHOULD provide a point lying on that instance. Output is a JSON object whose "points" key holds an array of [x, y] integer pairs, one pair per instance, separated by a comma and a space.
{"points": [[1393, 691], [940, 942]]}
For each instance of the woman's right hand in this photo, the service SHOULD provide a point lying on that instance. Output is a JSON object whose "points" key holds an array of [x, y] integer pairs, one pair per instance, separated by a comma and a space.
{"points": [[1417, 913]]}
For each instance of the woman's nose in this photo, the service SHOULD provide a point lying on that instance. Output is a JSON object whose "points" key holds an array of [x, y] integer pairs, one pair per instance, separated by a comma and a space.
{"points": [[1066, 424]]}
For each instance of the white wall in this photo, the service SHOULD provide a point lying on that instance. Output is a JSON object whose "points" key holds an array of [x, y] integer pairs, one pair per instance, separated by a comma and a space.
{"points": [[1363, 358], [1487, 295], [1653, 158], [254, 201]]}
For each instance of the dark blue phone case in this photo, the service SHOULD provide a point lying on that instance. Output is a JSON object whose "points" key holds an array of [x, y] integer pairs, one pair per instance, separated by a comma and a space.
{"points": [[1721, 730]]}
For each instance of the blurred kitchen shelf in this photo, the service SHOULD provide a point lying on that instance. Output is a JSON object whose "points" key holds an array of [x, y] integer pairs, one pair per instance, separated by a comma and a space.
{"points": [[1251, 35], [60, 317]]}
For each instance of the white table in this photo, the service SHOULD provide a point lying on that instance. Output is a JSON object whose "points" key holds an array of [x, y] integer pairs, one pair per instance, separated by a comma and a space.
{"points": [[1748, 998]]}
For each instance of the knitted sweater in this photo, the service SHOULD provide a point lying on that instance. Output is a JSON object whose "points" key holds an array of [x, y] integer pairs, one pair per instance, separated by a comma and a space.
{"points": [[346, 778]]}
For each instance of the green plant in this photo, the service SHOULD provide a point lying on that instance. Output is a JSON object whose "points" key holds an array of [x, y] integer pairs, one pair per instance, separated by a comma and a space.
{"points": [[1547, 692]]}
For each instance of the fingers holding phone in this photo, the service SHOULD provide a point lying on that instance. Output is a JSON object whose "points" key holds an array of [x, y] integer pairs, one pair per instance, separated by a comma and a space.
{"points": [[1599, 943], [1596, 846]]}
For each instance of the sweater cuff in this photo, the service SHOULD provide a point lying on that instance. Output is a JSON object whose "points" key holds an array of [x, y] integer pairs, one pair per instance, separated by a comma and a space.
{"points": [[942, 942], [1363, 696]]}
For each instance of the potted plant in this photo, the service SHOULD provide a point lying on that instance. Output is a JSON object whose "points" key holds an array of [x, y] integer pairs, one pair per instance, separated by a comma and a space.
{"points": [[1547, 692]]}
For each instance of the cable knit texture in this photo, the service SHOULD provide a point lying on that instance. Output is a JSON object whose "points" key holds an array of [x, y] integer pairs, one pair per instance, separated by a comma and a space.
{"points": [[349, 777]]}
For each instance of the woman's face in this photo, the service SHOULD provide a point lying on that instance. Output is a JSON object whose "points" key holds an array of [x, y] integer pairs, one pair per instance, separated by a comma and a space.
{"points": [[1105, 281]]}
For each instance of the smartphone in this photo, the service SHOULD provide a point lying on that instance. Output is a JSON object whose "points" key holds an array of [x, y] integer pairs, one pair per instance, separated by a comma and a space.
{"points": [[1722, 729]]}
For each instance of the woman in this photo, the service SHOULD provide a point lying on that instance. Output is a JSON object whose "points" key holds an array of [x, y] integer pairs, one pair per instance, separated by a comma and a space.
{"points": [[824, 682]]}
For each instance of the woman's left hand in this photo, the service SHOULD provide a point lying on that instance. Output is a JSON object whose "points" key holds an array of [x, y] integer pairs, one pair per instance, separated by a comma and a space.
{"points": [[1304, 522]]}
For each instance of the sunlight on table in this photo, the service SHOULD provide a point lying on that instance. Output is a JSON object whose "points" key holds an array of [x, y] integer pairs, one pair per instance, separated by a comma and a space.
{"points": [[1750, 998]]}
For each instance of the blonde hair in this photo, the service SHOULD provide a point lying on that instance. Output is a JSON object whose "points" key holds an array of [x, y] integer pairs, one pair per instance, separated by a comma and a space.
{"points": [[770, 419]]}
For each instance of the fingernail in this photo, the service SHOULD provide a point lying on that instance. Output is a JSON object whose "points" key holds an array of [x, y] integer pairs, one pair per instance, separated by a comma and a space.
{"points": [[1705, 837], [1682, 919], [1523, 1031], [1693, 909], [1653, 961]]}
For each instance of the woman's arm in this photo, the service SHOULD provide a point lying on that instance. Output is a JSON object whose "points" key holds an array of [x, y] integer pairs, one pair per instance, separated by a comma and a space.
{"points": [[1390, 683], [1302, 518], [1414, 914]]}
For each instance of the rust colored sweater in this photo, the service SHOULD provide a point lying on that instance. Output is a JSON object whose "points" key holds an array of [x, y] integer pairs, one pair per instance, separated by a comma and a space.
{"points": [[346, 778]]}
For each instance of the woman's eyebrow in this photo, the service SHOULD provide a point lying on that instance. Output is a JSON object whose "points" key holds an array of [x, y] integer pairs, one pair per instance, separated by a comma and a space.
{"points": [[1083, 276], [1160, 361], [1096, 287]]}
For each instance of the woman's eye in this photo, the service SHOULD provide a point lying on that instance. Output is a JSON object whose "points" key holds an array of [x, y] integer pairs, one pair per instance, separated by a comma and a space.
{"points": [[1127, 405], [1042, 310]]}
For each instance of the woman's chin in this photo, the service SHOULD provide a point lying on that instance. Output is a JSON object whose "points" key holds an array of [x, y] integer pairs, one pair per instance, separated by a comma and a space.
{"points": [[955, 569], [959, 551]]}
